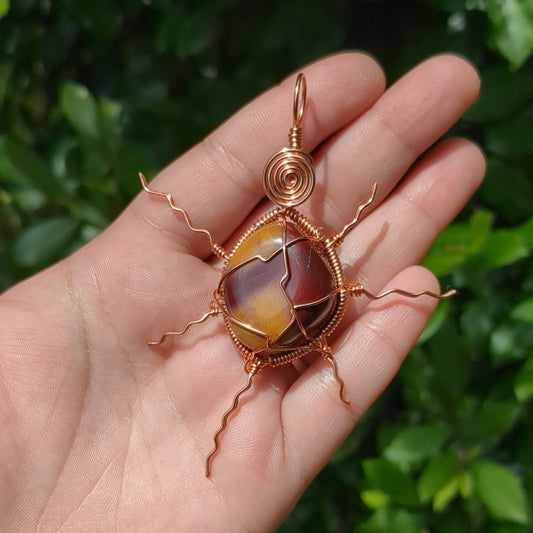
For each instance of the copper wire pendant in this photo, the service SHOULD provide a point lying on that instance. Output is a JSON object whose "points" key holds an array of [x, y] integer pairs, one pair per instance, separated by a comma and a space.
{"points": [[282, 291]]}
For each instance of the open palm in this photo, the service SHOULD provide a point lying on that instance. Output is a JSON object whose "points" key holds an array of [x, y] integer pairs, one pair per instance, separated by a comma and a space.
{"points": [[101, 432]]}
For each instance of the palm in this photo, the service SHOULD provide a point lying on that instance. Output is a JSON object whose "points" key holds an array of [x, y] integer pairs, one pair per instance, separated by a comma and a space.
{"points": [[102, 432]]}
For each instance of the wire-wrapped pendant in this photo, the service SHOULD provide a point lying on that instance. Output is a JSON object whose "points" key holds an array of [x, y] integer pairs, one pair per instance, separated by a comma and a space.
{"points": [[282, 291]]}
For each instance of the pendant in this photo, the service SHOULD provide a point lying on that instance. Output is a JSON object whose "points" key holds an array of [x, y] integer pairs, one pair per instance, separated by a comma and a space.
{"points": [[282, 291]]}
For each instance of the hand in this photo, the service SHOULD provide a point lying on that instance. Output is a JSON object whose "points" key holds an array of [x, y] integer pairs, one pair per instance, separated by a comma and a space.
{"points": [[101, 432]]}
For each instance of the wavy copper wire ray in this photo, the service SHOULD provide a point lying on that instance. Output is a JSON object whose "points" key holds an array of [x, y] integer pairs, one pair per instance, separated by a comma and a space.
{"points": [[356, 289], [215, 247], [322, 347], [212, 312], [253, 371], [338, 237], [340, 381]]}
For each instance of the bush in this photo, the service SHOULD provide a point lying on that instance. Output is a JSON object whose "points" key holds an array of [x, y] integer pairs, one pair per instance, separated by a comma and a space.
{"points": [[91, 92]]}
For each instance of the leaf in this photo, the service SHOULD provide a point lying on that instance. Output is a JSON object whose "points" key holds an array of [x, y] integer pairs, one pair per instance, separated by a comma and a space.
{"points": [[437, 474], [445, 495], [526, 233], [80, 109], [387, 477], [523, 311], [511, 137], [387, 520], [508, 189], [485, 422], [502, 92], [507, 341], [501, 491], [457, 242], [4, 7], [438, 318], [503, 247], [33, 169], [523, 382], [413, 444], [374, 499], [43, 241], [512, 29], [449, 250]]}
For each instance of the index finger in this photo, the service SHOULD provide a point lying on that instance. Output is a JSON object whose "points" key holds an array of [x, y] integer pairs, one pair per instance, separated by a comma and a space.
{"points": [[218, 182]]}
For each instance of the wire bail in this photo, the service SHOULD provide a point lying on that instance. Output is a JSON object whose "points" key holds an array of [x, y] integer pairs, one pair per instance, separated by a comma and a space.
{"points": [[289, 176]]}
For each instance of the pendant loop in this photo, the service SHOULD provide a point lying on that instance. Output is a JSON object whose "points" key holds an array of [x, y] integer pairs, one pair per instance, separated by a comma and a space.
{"points": [[300, 95]]}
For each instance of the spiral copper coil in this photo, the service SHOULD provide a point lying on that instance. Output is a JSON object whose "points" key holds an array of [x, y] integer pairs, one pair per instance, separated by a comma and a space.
{"points": [[289, 177]]}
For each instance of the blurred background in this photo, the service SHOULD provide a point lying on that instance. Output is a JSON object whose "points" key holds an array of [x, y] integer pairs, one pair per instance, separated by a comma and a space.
{"points": [[93, 91]]}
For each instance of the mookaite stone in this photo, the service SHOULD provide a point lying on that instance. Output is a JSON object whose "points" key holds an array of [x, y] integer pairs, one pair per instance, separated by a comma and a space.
{"points": [[277, 289]]}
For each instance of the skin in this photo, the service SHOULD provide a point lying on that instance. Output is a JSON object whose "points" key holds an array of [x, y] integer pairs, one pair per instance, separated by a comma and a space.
{"points": [[101, 432]]}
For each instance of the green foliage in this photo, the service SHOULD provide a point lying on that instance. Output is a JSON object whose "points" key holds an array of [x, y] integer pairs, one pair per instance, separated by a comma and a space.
{"points": [[92, 92]]}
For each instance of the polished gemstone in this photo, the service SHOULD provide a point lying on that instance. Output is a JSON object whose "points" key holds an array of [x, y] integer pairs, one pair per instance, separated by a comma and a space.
{"points": [[278, 289]]}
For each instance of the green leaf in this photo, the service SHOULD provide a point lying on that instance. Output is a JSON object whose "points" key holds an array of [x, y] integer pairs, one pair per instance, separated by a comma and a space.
{"points": [[482, 423], [458, 242], [479, 227], [466, 484], [502, 92], [445, 495], [449, 250], [512, 29], [523, 382], [43, 241], [504, 247], [508, 189], [33, 169], [501, 491], [511, 137], [526, 233], [387, 520], [80, 109], [437, 474], [374, 499], [523, 311], [438, 318], [507, 341], [387, 477], [4, 7], [413, 444]]}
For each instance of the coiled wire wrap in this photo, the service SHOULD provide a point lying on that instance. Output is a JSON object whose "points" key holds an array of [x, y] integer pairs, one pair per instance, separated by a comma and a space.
{"points": [[289, 177]]}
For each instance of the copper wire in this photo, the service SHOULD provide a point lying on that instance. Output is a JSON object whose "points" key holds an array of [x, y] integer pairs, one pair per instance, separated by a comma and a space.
{"points": [[215, 247], [329, 358], [289, 176], [339, 237], [212, 312], [253, 370], [356, 289]]}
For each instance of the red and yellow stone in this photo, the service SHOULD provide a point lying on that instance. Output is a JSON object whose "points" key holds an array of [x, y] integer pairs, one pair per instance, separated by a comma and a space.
{"points": [[277, 289]]}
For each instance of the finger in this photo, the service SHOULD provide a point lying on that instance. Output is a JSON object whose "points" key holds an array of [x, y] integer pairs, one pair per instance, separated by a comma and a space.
{"points": [[400, 232], [375, 347], [383, 143], [219, 181], [373, 343]]}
